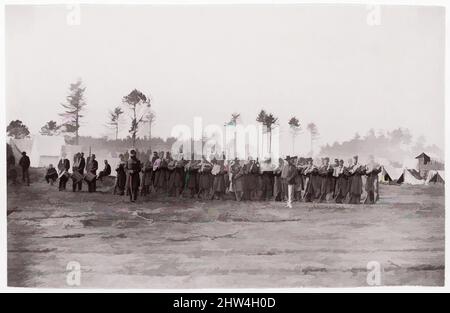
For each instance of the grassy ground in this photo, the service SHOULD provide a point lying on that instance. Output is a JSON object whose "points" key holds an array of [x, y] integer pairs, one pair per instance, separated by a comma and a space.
{"points": [[169, 243]]}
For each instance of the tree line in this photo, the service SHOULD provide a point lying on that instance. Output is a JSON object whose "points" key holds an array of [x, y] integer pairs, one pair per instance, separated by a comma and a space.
{"points": [[138, 106], [136, 103], [396, 145]]}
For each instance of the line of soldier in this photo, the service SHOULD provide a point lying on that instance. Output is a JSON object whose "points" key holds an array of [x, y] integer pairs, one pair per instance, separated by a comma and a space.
{"points": [[78, 175], [294, 179]]}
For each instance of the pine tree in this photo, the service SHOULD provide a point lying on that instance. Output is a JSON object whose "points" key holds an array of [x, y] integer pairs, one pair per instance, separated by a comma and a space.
{"points": [[73, 108], [114, 120], [294, 125], [139, 105]]}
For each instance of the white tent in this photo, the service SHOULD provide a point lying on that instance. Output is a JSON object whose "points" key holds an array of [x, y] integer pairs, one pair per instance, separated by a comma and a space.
{"points": [[389, 174], [435, 177], [46, 150], [21, 145], [410, 177], [42, 150]]}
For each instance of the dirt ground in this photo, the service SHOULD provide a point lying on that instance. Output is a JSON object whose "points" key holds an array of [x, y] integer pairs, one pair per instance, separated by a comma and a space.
{"points": [[163, 242]]}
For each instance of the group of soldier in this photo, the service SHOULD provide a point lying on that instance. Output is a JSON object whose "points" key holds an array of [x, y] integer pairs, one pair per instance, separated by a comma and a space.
{"points": [[82, 170], [293, 179]]}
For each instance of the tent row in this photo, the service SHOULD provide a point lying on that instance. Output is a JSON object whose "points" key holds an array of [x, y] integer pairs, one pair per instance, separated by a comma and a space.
{"points": [[409, 176]]}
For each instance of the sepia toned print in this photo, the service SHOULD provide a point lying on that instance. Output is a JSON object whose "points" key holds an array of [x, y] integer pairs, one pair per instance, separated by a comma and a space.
{"points": [[225, 146]]}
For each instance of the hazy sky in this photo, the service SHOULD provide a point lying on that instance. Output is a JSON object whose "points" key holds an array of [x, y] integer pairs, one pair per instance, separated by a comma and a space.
{"points": [[323, 64]]}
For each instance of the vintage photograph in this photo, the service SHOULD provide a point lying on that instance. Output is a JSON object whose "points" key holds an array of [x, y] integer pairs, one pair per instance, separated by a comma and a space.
{"points": [[225, 146]]}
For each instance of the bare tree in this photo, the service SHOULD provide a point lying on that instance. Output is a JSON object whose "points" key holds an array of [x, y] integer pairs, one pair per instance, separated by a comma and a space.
{"points": [[139, 106], [314, 134], [233, 122], [114, 119], [261, 118], [269, 121], [294, 125]]}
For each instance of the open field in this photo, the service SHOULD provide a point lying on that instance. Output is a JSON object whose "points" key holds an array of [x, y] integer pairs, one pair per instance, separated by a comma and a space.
{"points": [[172, 243]]}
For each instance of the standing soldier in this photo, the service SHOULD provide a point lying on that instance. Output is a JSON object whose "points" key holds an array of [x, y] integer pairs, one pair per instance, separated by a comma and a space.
{"points": [[237, 178], [153, 160], [133, 167], [81, 167], [277, 184], [92, 173], [284, 184], [300, 165], [63, 169], [251, 179], [147, 171], [218, 172], [191, 169], [290, 180], [163, 176], [170, 177], [355, 190], [334, 178], [156, 170], [372, 171], [267, 170], [75, 174], [205, 179], [311, 174], [24, 163], [226, 177], [325, 173], [341, 175], [121, 177], [178, 177]]}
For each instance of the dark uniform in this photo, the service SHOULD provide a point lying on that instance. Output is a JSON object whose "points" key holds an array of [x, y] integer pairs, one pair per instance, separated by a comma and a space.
{"points": [[51, 176], [24, 163], [238, 180], [121, 179], [106, 171], [341, 190], [266, 181], [326, 177], [162, 175], [93, 167], [355, 189], [311, 174], [133, 167], [63, 165], [372, 185], [192, 177], [205, 179], [147, 173], [81, 167], [219, 184], [251, 180]]}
